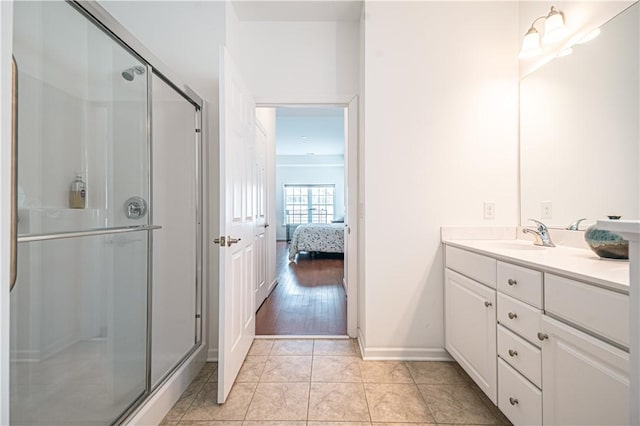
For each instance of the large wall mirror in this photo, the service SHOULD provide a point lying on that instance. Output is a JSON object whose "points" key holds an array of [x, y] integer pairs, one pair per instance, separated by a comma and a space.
{"points": [[579, 130]]}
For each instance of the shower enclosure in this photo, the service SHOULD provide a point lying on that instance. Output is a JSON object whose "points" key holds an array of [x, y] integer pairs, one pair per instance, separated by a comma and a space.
{"points": [[107, 300]]}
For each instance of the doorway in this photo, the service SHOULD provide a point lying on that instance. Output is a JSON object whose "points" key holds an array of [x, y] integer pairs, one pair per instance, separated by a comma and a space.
{"points": [[308, 202]]}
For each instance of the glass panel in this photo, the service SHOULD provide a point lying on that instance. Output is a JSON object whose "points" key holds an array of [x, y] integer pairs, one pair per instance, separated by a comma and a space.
{"points": [[78, 329], [174, 202], [78, 314], [82, 122]]}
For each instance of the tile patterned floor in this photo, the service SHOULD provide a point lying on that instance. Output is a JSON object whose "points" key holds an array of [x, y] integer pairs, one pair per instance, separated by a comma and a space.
{"points": [[326, 383]]}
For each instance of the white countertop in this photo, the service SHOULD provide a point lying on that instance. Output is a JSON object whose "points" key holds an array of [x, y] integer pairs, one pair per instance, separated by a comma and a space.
{"points": [[630, 229], [579, 264]]}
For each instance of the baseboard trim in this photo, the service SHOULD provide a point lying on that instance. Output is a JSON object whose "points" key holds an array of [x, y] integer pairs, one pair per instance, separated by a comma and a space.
{"points": [[212, 355], [164, 397], [406, 354], [402, 354], [302, 336]]}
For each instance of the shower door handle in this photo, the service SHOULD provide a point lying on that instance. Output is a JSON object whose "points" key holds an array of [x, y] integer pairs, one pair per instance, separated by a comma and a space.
{"points": [[14, 176]]}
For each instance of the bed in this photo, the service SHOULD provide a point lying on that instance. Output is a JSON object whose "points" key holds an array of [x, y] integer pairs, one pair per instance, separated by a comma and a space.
{"points": [[317, 238]]}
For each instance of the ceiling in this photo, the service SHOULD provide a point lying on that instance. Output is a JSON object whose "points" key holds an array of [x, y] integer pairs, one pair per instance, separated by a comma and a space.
{"points": [[309, 131], [298, 10]]}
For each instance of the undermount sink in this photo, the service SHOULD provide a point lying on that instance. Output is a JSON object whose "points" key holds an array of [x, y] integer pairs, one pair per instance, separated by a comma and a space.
{"points": [[517, 245]]}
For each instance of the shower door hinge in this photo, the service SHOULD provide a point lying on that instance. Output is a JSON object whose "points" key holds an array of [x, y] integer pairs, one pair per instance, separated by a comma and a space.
{"points": [[197, 130], [197, 315]]}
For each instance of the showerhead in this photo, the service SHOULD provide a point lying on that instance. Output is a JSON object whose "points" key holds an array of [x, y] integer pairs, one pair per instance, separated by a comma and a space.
{"points": [[130, 73]]}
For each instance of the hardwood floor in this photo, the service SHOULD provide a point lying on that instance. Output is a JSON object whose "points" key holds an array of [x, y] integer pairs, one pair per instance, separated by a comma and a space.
{"points": [[309, 298]]}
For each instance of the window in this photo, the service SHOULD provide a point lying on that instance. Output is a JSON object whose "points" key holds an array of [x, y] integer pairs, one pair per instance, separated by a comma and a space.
{"points": [[308, 203]]}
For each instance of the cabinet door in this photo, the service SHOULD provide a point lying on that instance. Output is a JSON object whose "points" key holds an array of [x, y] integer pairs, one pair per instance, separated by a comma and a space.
{"points": [[585, 381], [470, 329]]}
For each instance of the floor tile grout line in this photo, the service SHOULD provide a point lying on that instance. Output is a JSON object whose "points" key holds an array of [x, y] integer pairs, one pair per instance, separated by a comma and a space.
{"points": [[313, 351], [255, 389], [366, 400], [195, 397]]}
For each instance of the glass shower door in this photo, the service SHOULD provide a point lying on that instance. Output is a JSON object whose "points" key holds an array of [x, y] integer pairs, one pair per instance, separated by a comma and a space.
{"points": [[79, 307]]}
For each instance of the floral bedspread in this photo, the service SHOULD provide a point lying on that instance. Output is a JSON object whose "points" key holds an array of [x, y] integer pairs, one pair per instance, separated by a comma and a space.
{"points": [[317, 237]]}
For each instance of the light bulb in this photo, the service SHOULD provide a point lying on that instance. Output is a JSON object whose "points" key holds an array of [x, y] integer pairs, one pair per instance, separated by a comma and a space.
{"points": [[554, 29], [530, 44]]}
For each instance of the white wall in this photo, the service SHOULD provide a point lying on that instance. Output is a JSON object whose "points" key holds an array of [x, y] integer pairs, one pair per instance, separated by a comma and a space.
{"points": [[296, 61], [317, 169], [580, 18], [441, 84]]}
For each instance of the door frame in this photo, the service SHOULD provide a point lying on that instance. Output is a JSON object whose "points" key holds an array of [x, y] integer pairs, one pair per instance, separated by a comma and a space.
{"points": [[351, 181]]}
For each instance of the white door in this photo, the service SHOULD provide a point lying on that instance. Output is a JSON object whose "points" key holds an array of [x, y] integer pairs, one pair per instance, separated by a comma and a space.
{"points": [[470, 329], [585, 381], [237, 213], [262, 225], [351, 217], [6, 202]]}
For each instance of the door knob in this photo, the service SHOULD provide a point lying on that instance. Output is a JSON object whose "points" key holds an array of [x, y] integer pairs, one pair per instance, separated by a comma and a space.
{"points": [[488, 304], [511, 315], [232, 241], [542, 336], [220, 241], [266, 225], [513, 353]]}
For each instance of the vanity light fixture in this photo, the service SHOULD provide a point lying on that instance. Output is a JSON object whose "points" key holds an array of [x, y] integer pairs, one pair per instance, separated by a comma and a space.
{"points": [[565, 52], [589, 36], [554, 30]]}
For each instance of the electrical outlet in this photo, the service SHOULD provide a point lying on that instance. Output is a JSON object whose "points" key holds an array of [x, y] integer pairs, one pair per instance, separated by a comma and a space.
{"points": [[545, 210], [489, 210]]}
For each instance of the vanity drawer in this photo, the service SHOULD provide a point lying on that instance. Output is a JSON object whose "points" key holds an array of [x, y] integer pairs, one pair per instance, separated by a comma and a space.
{"points": [[519, 317], [521, 355], [522, 283], [598, 310], [476, 266], [518, 399]]}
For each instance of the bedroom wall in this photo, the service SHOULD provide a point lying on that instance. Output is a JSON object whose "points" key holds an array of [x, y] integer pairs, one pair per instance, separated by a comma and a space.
{"points": [[441, 137], [320, 169]]}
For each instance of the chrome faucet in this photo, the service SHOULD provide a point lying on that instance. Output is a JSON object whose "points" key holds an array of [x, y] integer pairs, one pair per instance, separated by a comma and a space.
{"points": [[575, 226], [541, 234]]}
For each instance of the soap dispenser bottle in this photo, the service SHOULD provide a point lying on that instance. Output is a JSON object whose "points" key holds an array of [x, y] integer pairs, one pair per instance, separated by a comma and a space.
{"points": [[78, 193]]}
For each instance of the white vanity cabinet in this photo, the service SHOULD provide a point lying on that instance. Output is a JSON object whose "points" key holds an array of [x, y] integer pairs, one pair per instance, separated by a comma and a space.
{"points": [[586, 381], [470, 316], [545, 348]]}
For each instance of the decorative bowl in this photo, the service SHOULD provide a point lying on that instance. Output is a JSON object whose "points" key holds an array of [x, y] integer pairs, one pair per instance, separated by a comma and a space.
{"points": [[606, 244]]}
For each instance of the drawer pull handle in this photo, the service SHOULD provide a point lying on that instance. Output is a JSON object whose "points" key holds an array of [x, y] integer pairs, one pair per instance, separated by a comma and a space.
{"points": [[513, 353], [511, 315], [511, 281], [488, 304], [513, 401], [542, 336]]}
